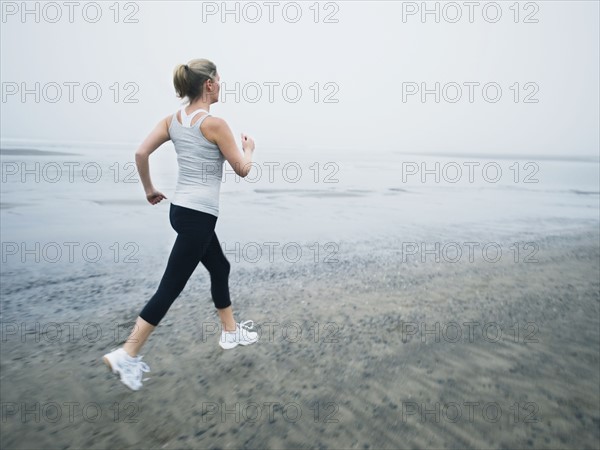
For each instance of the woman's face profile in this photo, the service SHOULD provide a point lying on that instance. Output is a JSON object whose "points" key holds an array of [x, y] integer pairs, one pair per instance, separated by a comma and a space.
{"points": [[216, 88]]}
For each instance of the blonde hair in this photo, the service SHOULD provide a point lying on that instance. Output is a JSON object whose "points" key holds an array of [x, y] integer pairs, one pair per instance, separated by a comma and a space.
{"points": [[189, 78]]}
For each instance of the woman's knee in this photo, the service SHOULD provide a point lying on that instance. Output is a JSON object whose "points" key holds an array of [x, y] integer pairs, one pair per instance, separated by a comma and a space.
{"points": [[222, 270], [220, 274], [226, 267]]}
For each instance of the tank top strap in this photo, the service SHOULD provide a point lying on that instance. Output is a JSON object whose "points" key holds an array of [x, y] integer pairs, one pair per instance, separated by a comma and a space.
{"points": [[197, 124]]}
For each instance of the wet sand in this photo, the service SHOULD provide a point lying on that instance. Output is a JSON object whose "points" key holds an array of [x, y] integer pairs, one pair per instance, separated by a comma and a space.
{"points": [[369, 369]]}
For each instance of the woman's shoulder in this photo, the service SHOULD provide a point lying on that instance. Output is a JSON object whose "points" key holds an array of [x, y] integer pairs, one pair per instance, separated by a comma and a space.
{"points": [[169, 119], [211, 128], [214, 120], [215, 124]]}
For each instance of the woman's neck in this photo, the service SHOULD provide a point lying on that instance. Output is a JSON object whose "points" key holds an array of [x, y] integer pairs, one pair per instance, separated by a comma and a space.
{"points": [[198, 105]]}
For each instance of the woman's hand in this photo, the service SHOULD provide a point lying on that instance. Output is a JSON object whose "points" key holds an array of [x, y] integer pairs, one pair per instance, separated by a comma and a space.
{"points": [[155, 197], [247, 143]]}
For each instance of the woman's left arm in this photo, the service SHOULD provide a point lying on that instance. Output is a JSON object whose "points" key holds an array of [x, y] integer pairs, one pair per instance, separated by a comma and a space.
{"points": [[155, 139]]}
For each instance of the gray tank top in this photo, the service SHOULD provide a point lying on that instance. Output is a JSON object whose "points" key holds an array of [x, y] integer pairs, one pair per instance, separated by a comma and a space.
{"points": [[200, 165]]}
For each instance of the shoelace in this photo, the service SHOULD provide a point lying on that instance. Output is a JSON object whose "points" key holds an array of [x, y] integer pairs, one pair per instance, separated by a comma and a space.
{"points": [[245, 325], [138, 367]]}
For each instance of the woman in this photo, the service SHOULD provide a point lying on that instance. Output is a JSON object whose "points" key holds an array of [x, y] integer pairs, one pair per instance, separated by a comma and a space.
{"points": [[202, 144]]}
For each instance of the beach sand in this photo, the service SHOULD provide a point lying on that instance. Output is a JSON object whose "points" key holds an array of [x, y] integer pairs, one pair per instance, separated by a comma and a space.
{"points": [[367, 371]]}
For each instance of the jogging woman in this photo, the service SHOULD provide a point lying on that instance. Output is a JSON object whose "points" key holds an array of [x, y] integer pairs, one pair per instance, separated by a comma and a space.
{"points": [[202, 143]]}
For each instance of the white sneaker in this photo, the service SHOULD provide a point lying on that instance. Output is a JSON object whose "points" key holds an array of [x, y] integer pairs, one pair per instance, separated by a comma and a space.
{"points": [[242, 335], [129, 368]]}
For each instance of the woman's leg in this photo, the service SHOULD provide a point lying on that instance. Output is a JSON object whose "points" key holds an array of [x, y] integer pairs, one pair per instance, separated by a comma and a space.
{"points": [[219, 267], [227, 320], [232, 333], [195, 231], [139, 335]]}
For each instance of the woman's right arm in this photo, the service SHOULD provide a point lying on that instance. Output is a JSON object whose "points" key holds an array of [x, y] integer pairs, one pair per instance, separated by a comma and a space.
{"points": [[240, 162]]}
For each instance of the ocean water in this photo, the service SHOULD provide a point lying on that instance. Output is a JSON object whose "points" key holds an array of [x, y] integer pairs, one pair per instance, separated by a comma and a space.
{"points": [[92, 196]]}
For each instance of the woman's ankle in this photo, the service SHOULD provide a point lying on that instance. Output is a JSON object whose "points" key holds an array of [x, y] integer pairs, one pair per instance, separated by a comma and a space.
{"points": [[130, 352], [229, 329]]}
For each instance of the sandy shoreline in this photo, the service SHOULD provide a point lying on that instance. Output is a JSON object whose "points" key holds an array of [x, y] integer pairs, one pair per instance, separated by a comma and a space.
{"points": [[364, 373]]}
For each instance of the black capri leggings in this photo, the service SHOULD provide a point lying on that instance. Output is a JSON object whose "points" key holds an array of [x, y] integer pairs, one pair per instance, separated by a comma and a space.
{"points": [[196, 242]]}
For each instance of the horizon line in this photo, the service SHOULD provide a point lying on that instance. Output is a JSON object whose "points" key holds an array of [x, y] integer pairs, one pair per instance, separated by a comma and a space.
{"points": [[38, 144]]}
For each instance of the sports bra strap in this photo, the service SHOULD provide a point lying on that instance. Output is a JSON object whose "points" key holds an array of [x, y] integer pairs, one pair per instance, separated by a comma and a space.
{"points": [[186, 119]]}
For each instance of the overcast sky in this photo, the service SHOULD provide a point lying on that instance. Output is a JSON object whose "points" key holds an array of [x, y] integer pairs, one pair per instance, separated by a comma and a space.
{"points": [[370, 52]]}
